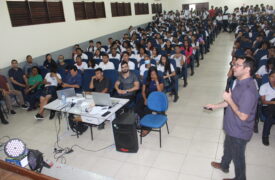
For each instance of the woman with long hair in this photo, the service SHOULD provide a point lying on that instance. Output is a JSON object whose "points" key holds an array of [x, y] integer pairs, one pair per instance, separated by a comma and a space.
{"points": [[153, 82], [169, 76], [188, 50]]}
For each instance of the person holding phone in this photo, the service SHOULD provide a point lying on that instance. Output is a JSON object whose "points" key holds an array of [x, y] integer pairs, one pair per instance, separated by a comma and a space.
{"points": [[239, 118], [51, 81]]}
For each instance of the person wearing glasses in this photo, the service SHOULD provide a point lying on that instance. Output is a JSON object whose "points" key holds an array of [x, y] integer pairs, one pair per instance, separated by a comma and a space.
{"points": [[239, 118]]}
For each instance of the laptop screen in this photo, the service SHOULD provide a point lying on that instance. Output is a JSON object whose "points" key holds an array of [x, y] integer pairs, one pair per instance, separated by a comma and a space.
{"points": [[70, 92]]}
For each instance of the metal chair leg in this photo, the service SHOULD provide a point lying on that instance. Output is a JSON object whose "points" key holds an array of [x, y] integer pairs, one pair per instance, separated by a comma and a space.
{"points": [[140, 135], [91, 128], [160, 137], [167, 127]]}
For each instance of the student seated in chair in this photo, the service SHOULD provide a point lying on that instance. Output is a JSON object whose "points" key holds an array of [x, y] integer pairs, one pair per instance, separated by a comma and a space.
{"points": [[99, 83], [34, 87], [73, 79], [51, 81], [17, 77], [127, 83], [169, 76], [80, 53], [125, 58], [267, 93], [61, 64], [49, 62], [106, 64], [80, 64], [152, 83], [28, 65], [7, 93]]}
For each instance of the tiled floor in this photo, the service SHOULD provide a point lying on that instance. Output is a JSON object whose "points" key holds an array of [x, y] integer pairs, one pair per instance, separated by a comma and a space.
{"points": [[195, 139]]}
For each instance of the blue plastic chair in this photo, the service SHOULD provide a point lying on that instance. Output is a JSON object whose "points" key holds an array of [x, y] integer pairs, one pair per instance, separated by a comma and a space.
{"points": [[97, 61], [86, 78], [69, 62], [262, 62], [265, 79], [112, 75], [43, 71], [135, 62], [89, 54], [115, 62], [157, 102], [173, 62], [62, 72]]}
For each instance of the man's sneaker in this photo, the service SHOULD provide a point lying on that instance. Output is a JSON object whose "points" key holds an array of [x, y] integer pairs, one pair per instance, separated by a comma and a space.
{"points": [[38, 116], [4, 121], [30, 109], [13, 112], [24, 107]]}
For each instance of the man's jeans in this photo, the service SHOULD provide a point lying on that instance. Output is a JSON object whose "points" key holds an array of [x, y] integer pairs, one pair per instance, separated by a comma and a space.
{"points": [[234, 149]]}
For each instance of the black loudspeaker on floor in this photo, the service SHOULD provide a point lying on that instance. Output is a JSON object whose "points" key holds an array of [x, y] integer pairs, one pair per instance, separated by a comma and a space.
{"points": [[125, 132]]}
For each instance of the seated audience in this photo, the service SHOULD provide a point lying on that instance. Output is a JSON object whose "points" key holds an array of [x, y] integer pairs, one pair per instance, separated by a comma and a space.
{"points": [[127, 83], [91, 48], [114, 54], [34, 88], [99, 83], [80, 64], [181, 64], [73, 80], [99, 47], [125, 58], [61, 64], [145, 67], [7, 93], [92, 64], [106, 64], [49, 62], [80, 53], [141, 54], [266, 69], [17, 77], [267, 93], [188, 51], [153, 82], [28, 65], [97, 54], [51, 81], [169, 76], [155, 55]]}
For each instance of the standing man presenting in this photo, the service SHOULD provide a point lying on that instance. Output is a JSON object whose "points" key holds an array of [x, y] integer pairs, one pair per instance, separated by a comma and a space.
{"points": [[239, 118]]}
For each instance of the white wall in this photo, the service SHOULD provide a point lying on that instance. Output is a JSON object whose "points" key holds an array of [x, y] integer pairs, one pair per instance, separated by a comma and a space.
{"points": [[37, 40], [177, 4]]}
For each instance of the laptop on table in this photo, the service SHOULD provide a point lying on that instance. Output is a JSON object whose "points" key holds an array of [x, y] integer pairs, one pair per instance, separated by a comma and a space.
{"points": [[104, 99]]}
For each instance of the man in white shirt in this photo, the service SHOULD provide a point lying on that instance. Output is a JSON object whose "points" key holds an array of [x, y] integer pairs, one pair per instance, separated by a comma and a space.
{"points": [[125, 57], [80, 64], [114, 54], [106, 64], [80, 53]]}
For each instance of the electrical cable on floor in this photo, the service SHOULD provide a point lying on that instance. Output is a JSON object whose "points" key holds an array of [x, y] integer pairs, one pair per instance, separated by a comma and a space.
{"points": [[60, 152]]}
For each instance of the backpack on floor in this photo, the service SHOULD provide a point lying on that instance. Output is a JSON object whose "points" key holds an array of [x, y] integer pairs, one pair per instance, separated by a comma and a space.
{"points": [[77, 126]]}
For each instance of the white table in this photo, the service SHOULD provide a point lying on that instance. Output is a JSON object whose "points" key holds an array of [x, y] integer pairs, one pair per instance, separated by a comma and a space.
{"points": [[85, 116]]}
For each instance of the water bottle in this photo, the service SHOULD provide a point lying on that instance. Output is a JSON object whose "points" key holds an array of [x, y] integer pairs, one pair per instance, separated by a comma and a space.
{"points": [[63, 99]]}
